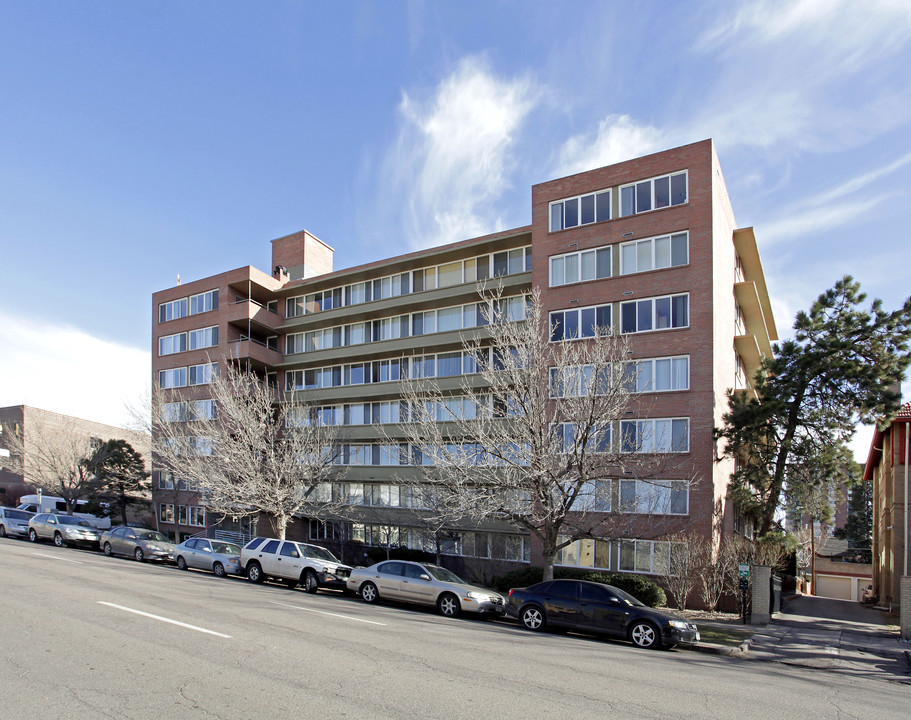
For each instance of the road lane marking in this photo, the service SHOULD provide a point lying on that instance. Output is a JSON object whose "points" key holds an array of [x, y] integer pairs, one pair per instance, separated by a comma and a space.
{"points": [[163, 619], [55, 557], [323, 612]]}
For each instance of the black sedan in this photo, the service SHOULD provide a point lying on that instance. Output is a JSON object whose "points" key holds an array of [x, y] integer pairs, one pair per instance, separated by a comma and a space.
{"points": [[596, 608]]}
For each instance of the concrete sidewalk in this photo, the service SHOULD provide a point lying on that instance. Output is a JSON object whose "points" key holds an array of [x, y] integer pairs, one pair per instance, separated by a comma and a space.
{"points": [[833, 635]]}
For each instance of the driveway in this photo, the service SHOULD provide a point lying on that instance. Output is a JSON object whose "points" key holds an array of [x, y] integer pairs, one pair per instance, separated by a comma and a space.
{"points": [[836, 635]]}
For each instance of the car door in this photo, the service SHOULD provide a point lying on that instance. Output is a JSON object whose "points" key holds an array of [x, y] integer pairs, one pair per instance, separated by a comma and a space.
{"points": [[267, 557], [561, 603], [116, 540], [417, 585], [202, 554], [126, 542], [388, 579], [602, 611], [48, 527], [190, 553], [288, 561]]}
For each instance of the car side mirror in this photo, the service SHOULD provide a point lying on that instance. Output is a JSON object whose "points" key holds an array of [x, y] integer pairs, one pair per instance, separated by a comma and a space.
{"points": [[295, 554], [425, 576], [615, 601]]}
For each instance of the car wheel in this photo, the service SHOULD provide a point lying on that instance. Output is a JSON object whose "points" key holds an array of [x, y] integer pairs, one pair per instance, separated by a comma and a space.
{"points": [[138, 555], [2, 531], [181, 563], [448, 605], [255, 573], [532, 618], [369, 593], [644, 635], [311, 582], [58, 540], [108, 550], [32, 535], [219, 570]]}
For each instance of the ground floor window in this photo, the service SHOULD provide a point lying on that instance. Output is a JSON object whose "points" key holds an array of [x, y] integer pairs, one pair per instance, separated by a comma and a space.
{"points": [[488, 545], [166, 512], [653, 557]]}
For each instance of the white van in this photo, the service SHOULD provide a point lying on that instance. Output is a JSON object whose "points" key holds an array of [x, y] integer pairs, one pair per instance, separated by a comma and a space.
{"points": [[52, 504]]}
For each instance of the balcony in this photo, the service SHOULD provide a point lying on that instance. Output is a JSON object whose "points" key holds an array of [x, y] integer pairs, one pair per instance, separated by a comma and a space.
{"points": [[250, 315], [261, 355]]}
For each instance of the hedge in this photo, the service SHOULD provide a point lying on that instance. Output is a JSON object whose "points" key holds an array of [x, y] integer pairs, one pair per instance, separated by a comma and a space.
{"points": [[640, 587]]}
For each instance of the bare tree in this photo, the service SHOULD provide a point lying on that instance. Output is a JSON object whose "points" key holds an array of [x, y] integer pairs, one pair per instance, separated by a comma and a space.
{"points": [[719, 573], [534, 434], [689, 554], [54, 455], [251, 452]]}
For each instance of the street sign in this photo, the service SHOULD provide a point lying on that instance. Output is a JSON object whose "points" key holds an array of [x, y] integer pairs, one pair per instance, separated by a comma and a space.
{"points": [[744, 571]]}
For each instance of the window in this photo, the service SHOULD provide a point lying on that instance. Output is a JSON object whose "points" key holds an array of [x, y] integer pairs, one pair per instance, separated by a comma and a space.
{"points": [[166, 512], [172, 310], [203, 338], [203, 374], [204, 302], [655, 436], [579, 323], [170, 344], [196, 516], [165, 481], [659, 374], [202, 410], [579, 381], [654, 497], [661, 313], [594, 496], [654, 253], [588, 553], [174, 412], [580, 210], [294, 307], [648, 556], [580, 266], [173, 378], [568, 434], [654, 194]]}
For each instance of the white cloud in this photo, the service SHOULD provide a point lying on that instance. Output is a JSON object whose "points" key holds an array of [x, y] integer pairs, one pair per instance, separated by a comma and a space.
{"points": [[66, 370], [618, 138], [452, 158]]}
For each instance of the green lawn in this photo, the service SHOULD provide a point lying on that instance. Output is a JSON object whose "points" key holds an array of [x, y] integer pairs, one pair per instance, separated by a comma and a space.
{"points": [[724, 634]]}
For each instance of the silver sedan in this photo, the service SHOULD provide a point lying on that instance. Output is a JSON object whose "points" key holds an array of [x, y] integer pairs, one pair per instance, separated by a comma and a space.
{"points": [[221, 558], [424, 584]]}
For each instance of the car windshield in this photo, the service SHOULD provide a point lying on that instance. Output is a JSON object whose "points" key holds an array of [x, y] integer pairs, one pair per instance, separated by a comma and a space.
{"points": [[17, 515], [70, 520], [225, 548], [626, 597], [151, 535], [320, 553], [442, 574]]}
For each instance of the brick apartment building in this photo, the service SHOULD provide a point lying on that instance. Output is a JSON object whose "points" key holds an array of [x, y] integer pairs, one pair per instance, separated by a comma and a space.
{"points": [[16, 473], [649, 245]]}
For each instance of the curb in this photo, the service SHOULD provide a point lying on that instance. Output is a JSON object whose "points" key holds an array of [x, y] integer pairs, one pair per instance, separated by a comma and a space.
{"points": [[725, 650]]}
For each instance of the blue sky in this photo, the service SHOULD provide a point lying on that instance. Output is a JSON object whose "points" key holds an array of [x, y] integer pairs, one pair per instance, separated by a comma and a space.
{"points": [[139, 141]]}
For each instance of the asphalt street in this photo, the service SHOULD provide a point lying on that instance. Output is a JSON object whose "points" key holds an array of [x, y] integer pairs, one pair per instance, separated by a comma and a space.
{"points": [[84, 636]]}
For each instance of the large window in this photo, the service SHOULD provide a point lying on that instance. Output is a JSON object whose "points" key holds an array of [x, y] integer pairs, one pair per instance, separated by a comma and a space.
{"points": [[203, 374], [580, 266], [201, 410], [587, 553], [172, 310], [173, 378], [166, 512], [580, 323], [203, 302], [170, 344], [660, 313], [654, 497], [579, 380], [203, 338], [654, 253], [654, 194], [664, 435], [580, 210], [659, 374], [647, 556]]}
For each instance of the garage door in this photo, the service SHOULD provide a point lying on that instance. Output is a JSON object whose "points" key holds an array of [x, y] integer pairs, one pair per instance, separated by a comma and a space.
{"points": [[833, 586]]}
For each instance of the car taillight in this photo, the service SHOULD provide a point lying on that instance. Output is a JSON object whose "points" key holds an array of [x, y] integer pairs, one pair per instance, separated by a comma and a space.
{"points": [[510, 592]]}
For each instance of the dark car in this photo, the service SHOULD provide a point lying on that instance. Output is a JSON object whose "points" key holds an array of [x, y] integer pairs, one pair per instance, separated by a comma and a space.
{"points": [[600, 609]]}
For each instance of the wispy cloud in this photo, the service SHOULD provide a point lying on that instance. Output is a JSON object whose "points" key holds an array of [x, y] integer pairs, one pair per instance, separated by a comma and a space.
{"points": [[69, 371], [452, 159], [618, 137]]}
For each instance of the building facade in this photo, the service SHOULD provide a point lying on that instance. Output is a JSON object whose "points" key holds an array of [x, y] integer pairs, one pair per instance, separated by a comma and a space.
{"points": [[648, 246], [887, 468], [17, 475]]}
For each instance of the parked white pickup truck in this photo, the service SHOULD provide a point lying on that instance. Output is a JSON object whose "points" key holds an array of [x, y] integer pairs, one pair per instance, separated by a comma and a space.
{"points": [[294, 562]]}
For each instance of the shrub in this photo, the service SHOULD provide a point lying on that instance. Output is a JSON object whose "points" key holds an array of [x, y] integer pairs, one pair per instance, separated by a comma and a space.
{"points": [[640, 587]]}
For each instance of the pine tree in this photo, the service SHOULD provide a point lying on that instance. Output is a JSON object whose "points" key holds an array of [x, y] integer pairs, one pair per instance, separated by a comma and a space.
{"points": [[837, 371]]}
